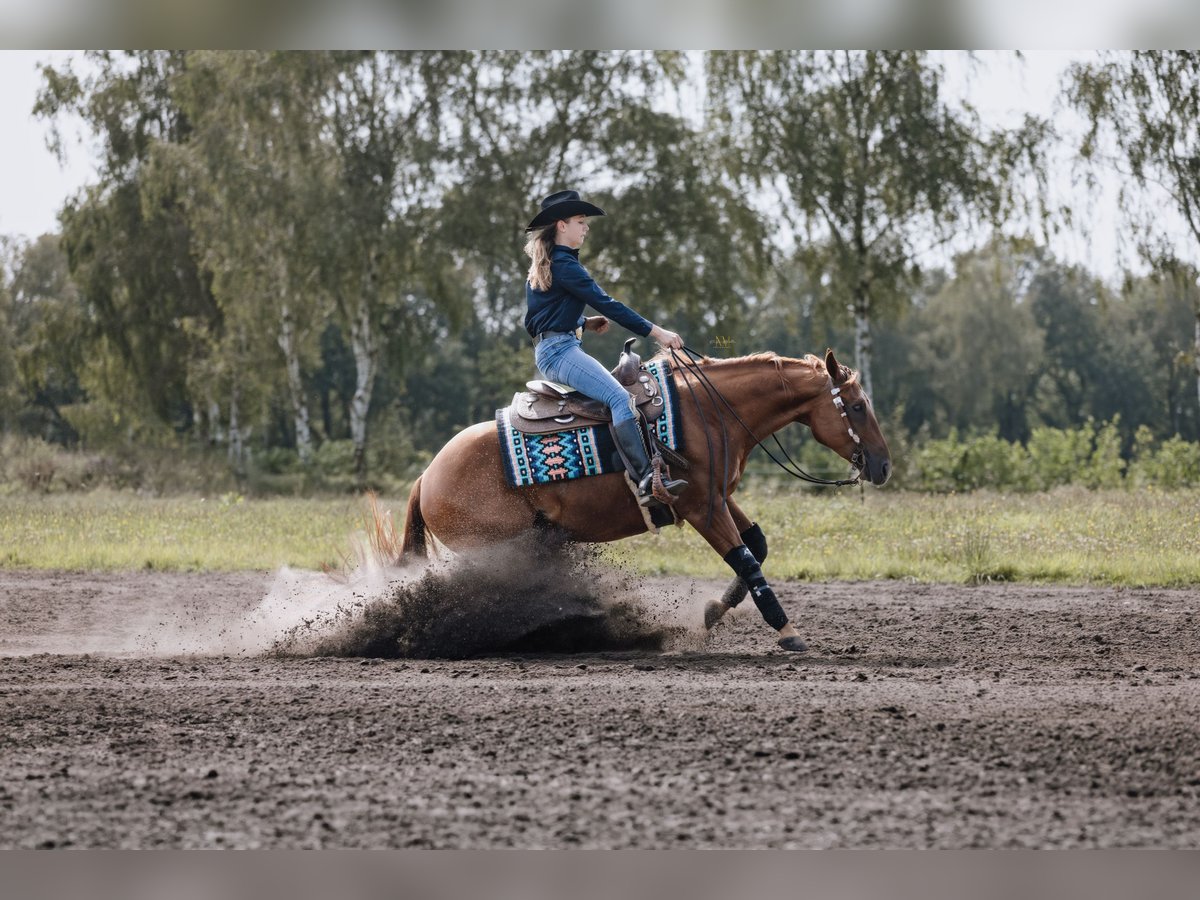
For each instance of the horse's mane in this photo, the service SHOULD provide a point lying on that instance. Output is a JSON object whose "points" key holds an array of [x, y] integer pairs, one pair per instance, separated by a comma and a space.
{"points": [[761, 356], [766, 356], [770, 356]]}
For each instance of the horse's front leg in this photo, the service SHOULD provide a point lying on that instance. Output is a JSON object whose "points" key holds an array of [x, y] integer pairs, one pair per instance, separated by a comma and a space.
{"points": [[743, 546], [756, 542]]}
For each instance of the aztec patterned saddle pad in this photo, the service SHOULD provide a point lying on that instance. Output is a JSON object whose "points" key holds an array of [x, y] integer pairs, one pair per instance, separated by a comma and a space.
{"points": [[578, 452]]}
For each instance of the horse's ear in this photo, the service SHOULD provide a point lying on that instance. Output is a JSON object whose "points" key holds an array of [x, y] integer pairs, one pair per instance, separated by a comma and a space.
{"points": [[833, 368]]}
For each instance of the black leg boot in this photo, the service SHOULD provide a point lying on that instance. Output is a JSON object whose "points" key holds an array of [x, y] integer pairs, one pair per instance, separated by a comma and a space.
{"points": [[628, 437]]}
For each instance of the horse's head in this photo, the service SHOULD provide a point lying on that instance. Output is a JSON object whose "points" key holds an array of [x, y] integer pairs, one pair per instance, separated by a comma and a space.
{"points": [[844, 422]]}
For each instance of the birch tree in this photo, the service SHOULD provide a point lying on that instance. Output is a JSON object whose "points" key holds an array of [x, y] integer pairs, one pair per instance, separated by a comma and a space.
{"points": [[1147, 102], [129, 245], [381, 130], [257, 181], [859, 156]]}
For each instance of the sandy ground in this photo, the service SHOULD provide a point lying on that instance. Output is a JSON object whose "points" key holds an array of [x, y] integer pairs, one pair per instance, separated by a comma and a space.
{"points": [[922, 716]]}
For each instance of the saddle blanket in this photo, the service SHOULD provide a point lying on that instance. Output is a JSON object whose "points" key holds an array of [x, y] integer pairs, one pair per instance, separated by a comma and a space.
{"points": [[578, 452]]}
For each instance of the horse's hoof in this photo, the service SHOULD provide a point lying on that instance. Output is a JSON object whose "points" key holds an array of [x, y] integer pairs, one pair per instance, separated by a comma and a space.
{"points": [[793, 643], [713, 613]]}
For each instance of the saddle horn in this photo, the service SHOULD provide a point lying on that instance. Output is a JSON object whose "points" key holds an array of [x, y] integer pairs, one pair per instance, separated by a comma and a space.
{"points": [[628, 366]]}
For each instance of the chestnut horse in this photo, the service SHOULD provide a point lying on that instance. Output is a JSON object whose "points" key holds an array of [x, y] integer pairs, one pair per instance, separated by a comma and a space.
{"points": [[726, 407]]}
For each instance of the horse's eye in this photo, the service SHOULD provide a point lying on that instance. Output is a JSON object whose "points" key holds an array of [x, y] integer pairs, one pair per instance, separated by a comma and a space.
{"points": [[859, 407]]}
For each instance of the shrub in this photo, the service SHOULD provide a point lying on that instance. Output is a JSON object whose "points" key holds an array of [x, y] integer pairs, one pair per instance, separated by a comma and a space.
{"points": [[31, 464], [35, 465], [935, 464], [1175, 464], [989, 460], [277, 460], [1105, 467], [334, 458], [1058, 456], [965, 464]]}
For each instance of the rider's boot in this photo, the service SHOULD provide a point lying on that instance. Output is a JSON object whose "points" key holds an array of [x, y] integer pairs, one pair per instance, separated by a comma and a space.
{"points": [[628, 436]]}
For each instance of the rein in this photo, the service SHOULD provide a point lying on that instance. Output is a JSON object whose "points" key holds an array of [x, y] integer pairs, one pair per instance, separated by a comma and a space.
{"points": [[790, 466]]}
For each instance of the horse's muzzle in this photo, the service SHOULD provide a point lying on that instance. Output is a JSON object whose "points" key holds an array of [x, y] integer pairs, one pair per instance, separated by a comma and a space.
{"points": [[876, 469], [879, 470]]}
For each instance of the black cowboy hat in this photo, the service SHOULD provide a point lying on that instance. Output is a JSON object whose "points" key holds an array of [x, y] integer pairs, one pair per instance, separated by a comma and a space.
{"points": [[562, 205]]}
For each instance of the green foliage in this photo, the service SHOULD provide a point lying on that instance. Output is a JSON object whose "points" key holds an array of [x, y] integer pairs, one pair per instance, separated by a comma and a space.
{"points": [[1173, 463], [981, 349], [1088, 456], [394, 461], [1058, 456], [1177, 463], [1015, 340], [954, 464], [336, 237], [1106, 468], [870, 156], [33, 465], [1147, 104]]}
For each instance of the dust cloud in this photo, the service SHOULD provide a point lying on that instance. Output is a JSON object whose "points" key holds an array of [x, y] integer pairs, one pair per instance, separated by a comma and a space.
{"points": [[519, 596]]}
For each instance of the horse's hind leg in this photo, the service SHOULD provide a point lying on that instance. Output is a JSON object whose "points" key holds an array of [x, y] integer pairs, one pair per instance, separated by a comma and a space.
{"points": [[464, 498]]}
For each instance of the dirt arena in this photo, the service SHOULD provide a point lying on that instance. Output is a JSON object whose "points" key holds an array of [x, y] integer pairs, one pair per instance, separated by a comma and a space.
{"points": [[922, 716]]}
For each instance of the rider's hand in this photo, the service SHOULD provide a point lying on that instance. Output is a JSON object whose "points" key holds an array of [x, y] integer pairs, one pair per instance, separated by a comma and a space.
{"points": [[668, 339], [598, 324]]}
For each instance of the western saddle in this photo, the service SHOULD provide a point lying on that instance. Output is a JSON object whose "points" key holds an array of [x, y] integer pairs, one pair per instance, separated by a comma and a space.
{"points": [[548, 407]]}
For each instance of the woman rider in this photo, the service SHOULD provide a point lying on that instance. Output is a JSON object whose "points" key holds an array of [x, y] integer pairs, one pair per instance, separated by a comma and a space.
{"points": [[557, 289]]}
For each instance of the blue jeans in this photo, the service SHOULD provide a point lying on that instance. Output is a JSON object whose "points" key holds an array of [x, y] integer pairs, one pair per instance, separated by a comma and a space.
{"points": [[561, 358]]}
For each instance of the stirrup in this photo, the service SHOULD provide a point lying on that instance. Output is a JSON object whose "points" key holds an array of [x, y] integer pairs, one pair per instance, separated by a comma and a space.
{"points": [[655, 514], [646, 495]]}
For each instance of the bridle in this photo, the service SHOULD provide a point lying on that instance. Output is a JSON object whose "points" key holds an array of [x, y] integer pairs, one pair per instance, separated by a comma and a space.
{"points": [[857, 459]]}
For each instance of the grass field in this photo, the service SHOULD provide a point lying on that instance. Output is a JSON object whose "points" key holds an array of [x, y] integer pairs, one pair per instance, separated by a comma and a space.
{"points": [[1066, 537], [118, 531]]}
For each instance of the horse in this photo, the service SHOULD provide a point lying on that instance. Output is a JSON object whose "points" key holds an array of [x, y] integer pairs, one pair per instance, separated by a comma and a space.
{"points": [[728, 406]]}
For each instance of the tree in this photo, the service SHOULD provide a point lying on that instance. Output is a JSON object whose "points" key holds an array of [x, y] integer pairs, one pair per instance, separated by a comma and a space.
{"points": [[10, 397], [128, 242], [981, 352], [529, 124], [1095, 362], [382, 132], [240, 196], [49, 329], [683, 244], [1151, 328], [256, 184], [867, 158], [1148, 103]]}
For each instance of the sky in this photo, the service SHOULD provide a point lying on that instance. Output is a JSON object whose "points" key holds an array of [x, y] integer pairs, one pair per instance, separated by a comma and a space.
{"points": [[33, 185], [1003, 89]]}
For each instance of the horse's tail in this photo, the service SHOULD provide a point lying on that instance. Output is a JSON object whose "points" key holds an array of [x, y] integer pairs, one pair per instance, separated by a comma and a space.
{"points": [[414, 527]]}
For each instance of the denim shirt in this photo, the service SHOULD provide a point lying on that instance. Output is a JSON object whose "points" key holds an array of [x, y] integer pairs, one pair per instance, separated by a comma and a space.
{"points": [[571, 289]]}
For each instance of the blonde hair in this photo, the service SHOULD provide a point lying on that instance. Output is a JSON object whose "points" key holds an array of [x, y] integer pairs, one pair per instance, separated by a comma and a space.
{"points": [[538, 249]]}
